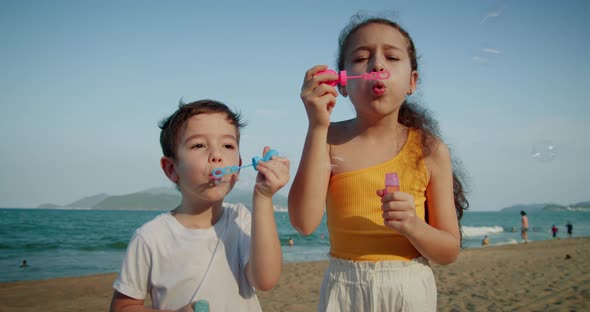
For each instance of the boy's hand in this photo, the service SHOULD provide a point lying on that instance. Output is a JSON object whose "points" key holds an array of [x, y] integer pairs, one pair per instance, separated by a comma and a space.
{"points": [[272, 175], [319, 97], [187, 308], [399, 211]]}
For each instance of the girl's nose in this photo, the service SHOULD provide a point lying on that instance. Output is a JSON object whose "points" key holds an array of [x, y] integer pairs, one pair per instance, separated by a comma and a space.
{"points": [[377, 67], [378, 61]]}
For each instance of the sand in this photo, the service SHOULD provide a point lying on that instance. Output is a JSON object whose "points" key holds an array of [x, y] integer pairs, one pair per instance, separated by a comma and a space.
{"points": [[524, 277]]}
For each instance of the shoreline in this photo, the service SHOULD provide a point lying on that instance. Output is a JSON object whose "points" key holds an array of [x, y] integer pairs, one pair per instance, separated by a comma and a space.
{"points": [[532, 276]]}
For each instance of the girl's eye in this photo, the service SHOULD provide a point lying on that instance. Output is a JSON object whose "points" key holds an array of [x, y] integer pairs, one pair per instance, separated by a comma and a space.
{"points": [[360, 59], [229, 146], [198, 145], [393, 58]]}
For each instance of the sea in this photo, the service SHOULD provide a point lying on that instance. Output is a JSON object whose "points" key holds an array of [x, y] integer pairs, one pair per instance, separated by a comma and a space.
{"points": [[76, 242]]}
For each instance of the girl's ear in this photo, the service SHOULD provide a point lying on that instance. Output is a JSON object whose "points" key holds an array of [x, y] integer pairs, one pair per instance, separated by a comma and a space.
{"points": [[342, 90], [413, 82], [169, 168]]}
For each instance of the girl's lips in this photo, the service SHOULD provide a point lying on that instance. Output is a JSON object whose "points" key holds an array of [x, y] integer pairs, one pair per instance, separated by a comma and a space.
{"points": [[379, 90]]}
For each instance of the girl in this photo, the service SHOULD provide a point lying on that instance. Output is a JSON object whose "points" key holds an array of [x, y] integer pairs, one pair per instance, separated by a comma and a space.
{"points": [[381, 242]]}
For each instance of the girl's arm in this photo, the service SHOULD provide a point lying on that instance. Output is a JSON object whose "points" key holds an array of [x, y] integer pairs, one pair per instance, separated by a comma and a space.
{"points": [[264, 265], [438, 240], [307, 196], [308, 191]]}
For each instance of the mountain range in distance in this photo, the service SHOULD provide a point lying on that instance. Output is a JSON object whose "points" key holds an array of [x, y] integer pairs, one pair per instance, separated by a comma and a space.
{"points": [[167, 198], [154, 199], [581, 206]]}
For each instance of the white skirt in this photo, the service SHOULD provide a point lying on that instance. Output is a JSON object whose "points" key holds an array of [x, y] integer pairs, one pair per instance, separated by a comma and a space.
{"points": [[378, 286]]}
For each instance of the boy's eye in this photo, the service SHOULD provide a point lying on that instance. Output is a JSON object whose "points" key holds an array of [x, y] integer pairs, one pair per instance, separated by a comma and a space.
{"points": [[360, 59], [229, 146], [394, 58], [198, 145]]}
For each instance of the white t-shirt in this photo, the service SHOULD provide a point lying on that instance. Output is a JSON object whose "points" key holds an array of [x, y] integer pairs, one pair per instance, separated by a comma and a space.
{"points": [[170, 261]]}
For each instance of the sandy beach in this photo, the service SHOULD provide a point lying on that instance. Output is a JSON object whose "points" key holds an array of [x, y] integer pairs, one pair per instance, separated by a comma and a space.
{"points": [[526, 277]]}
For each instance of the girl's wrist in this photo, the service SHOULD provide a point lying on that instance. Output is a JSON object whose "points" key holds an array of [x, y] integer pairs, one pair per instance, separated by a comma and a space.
{"points": [[417, 227], [318, 128]]}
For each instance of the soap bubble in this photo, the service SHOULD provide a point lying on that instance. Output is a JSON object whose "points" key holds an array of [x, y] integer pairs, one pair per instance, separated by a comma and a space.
{"points": [[544, 150]]}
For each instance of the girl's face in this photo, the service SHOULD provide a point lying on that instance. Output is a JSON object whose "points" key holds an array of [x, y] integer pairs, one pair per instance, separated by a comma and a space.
{"points": [[209, 141], [377, 47]]}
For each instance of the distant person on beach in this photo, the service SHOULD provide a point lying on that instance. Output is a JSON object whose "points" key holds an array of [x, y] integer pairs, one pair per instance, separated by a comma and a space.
{"points": [[291, 242], [381, 242], [204, 250], [24, 264], [485, 241], [570, 229], [554, 231], [524, 220]]}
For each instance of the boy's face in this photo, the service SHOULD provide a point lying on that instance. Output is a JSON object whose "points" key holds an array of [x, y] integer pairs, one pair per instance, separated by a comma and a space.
{"points": [[209, 141]]}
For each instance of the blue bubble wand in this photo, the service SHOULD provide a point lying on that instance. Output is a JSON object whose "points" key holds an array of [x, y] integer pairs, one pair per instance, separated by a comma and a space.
{"points": [[221, 171]]}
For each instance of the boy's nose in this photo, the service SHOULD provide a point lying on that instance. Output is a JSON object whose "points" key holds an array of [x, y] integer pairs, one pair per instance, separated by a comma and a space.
{"points": [[215, 157]]}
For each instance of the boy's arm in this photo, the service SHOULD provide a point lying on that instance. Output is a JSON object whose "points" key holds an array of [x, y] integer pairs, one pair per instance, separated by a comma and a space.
{"points": [[307, 195], [264, 265]]}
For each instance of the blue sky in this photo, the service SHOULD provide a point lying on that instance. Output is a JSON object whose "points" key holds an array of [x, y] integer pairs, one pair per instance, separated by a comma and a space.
{"points": [[83, 85]]}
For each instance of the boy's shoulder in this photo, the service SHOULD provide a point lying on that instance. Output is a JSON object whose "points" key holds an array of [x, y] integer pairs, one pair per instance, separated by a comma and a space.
{"points": [[237, 210], [154, 225]]}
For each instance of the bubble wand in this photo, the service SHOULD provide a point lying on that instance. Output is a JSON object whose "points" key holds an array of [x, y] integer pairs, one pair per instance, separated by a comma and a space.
{"points": [[343, 76], [219, 172]]}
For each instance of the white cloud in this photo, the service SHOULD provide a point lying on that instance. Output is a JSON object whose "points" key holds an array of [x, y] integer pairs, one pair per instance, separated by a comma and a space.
{"points": [[480, 60], [492, 14], [491, 50]]}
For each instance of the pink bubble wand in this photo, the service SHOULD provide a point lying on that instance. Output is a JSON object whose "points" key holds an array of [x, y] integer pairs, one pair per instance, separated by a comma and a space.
{"points": [[343, 76]]}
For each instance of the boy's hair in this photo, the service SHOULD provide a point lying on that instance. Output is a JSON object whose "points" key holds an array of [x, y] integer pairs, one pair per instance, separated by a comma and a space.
{"points": [[173, 126], [411, 115]]}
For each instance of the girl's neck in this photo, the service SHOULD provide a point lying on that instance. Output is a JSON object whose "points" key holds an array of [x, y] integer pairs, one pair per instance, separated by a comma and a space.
{"points": [[378, 128]]}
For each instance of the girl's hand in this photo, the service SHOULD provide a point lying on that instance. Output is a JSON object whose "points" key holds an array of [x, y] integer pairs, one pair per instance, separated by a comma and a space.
{"points": [[319, 98], [272, 175], [399, 211]]}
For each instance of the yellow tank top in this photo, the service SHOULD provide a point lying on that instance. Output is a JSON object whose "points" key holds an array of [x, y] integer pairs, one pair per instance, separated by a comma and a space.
{"points": [[354, 211]]}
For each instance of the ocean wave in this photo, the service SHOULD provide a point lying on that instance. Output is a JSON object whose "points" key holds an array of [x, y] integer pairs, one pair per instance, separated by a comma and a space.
{"points": [[508, 242], [275, 207], [280, 209], [115, 245], [469, 231]]}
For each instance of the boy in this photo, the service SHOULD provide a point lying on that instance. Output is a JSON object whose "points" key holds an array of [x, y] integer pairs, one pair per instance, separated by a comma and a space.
{"points": [[204, 249]]}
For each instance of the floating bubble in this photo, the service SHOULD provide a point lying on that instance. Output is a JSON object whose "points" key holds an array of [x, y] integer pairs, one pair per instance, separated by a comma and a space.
{"points": [[544, 150]]}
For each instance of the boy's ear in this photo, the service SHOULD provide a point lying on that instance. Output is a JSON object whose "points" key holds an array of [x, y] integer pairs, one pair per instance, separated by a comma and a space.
{"points": [[169, 168]]}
